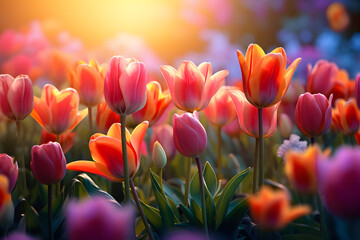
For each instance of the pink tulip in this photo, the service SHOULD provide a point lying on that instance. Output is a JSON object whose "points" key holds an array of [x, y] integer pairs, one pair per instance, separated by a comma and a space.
{"points": [[189, 135], [322, 77], [286, 126], [16, 96], [99, 218], [339, 181], [313, 114], [164, 135], [10, 169], [248, 116], [192, 87], [125, 85], [48, 163]]}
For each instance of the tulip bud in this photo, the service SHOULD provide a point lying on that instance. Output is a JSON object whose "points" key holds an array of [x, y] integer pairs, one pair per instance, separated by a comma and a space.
{"points": [[339, 181], [319, 120], [10, 169], [158, 155], [125, 85], [189, 135], [99, 218], [286, 126], [16, 96], [48, 163]]}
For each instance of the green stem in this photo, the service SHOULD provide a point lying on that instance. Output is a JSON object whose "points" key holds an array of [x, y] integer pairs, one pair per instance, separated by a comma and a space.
{"points": [[187, 181], [141, 212], [323, 229], [125, 159], [57, 185], [261, 148], [21, 159], [219, 160], [49, 211], [256, 167], [312, 140], [90, 119], [202, 192], [161, 182]]}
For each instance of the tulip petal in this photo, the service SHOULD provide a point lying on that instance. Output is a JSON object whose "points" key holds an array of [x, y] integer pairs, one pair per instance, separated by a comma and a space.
{"points": [[79, 117], [21, 97], [92, 167], [41, 112], [137, 136], [206, 70], [253, 55], [243, 66]]}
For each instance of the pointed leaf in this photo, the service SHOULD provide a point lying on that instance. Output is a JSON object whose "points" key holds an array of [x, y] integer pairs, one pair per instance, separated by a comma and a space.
{"points": [[210, 178], [153, 216]]}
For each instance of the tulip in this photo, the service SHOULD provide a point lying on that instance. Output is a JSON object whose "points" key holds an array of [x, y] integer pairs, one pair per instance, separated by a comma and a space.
{"points": [[300, 168], [357, 90], [338, 17], [156, 104], [338, 182], [265, 77], [88, 81], [158, 155], [322, 77], [220, 110], [313, 114], [10, 169], [288, 103], [6, 205], [189, 135], [10, 42], [66, 140], [125, 85], [48, 163], [343, 88], [248, 116], [233, 129], [99, 218], [346, 116], [286, 126], [16, 96], [105, 117], [164, 135], [56, 111], [107, 153], [271, 209], [192, 87]]}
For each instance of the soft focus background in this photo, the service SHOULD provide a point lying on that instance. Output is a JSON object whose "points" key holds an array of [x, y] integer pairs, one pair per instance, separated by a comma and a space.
{"points": [[166, 32]]}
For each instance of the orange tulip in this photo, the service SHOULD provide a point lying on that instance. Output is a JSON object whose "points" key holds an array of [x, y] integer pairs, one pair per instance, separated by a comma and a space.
{"points": [[88, 81], [107, 153], [192, 87], [248, 116], [271, 209], [5, 196], [156, 104], [300, 168], [105, 117], [66, 140], [221, 110], [265, 77], [343, 87], [338, 17], [346, 116], [56, 111]]}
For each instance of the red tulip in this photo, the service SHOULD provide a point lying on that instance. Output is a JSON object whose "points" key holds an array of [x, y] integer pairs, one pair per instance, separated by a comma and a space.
{"points": [[105, 117], [248, 116], [66, 140], [48, 163], [10, 169], [16, 96], [56, 111], [322, 77], [189, 135], [220, 110], [125, 85], [265, 77], [192, 87], [313, 114], [346, 116]]}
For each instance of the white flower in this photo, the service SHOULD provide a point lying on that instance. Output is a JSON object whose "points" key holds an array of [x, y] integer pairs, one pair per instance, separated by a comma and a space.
{"points": [[293, 143]]}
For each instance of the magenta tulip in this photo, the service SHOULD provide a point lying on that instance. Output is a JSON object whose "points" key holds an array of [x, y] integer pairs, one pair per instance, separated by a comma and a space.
{"points": [[339, 181], [357, 90], [125, 85], [16, 96], [9, 168], [189, 135], [313, 114], [48, 163]]}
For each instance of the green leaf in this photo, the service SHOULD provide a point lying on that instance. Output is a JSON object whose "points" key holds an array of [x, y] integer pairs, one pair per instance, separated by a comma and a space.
{"points": [[92, 189], [189, 215], [210, 178], [226, 195], [168, 216], [153, 216], [300, 237], [196, 210], [304, 229], [31, 216], [78, 190], [195, 189], [236, 212]]}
